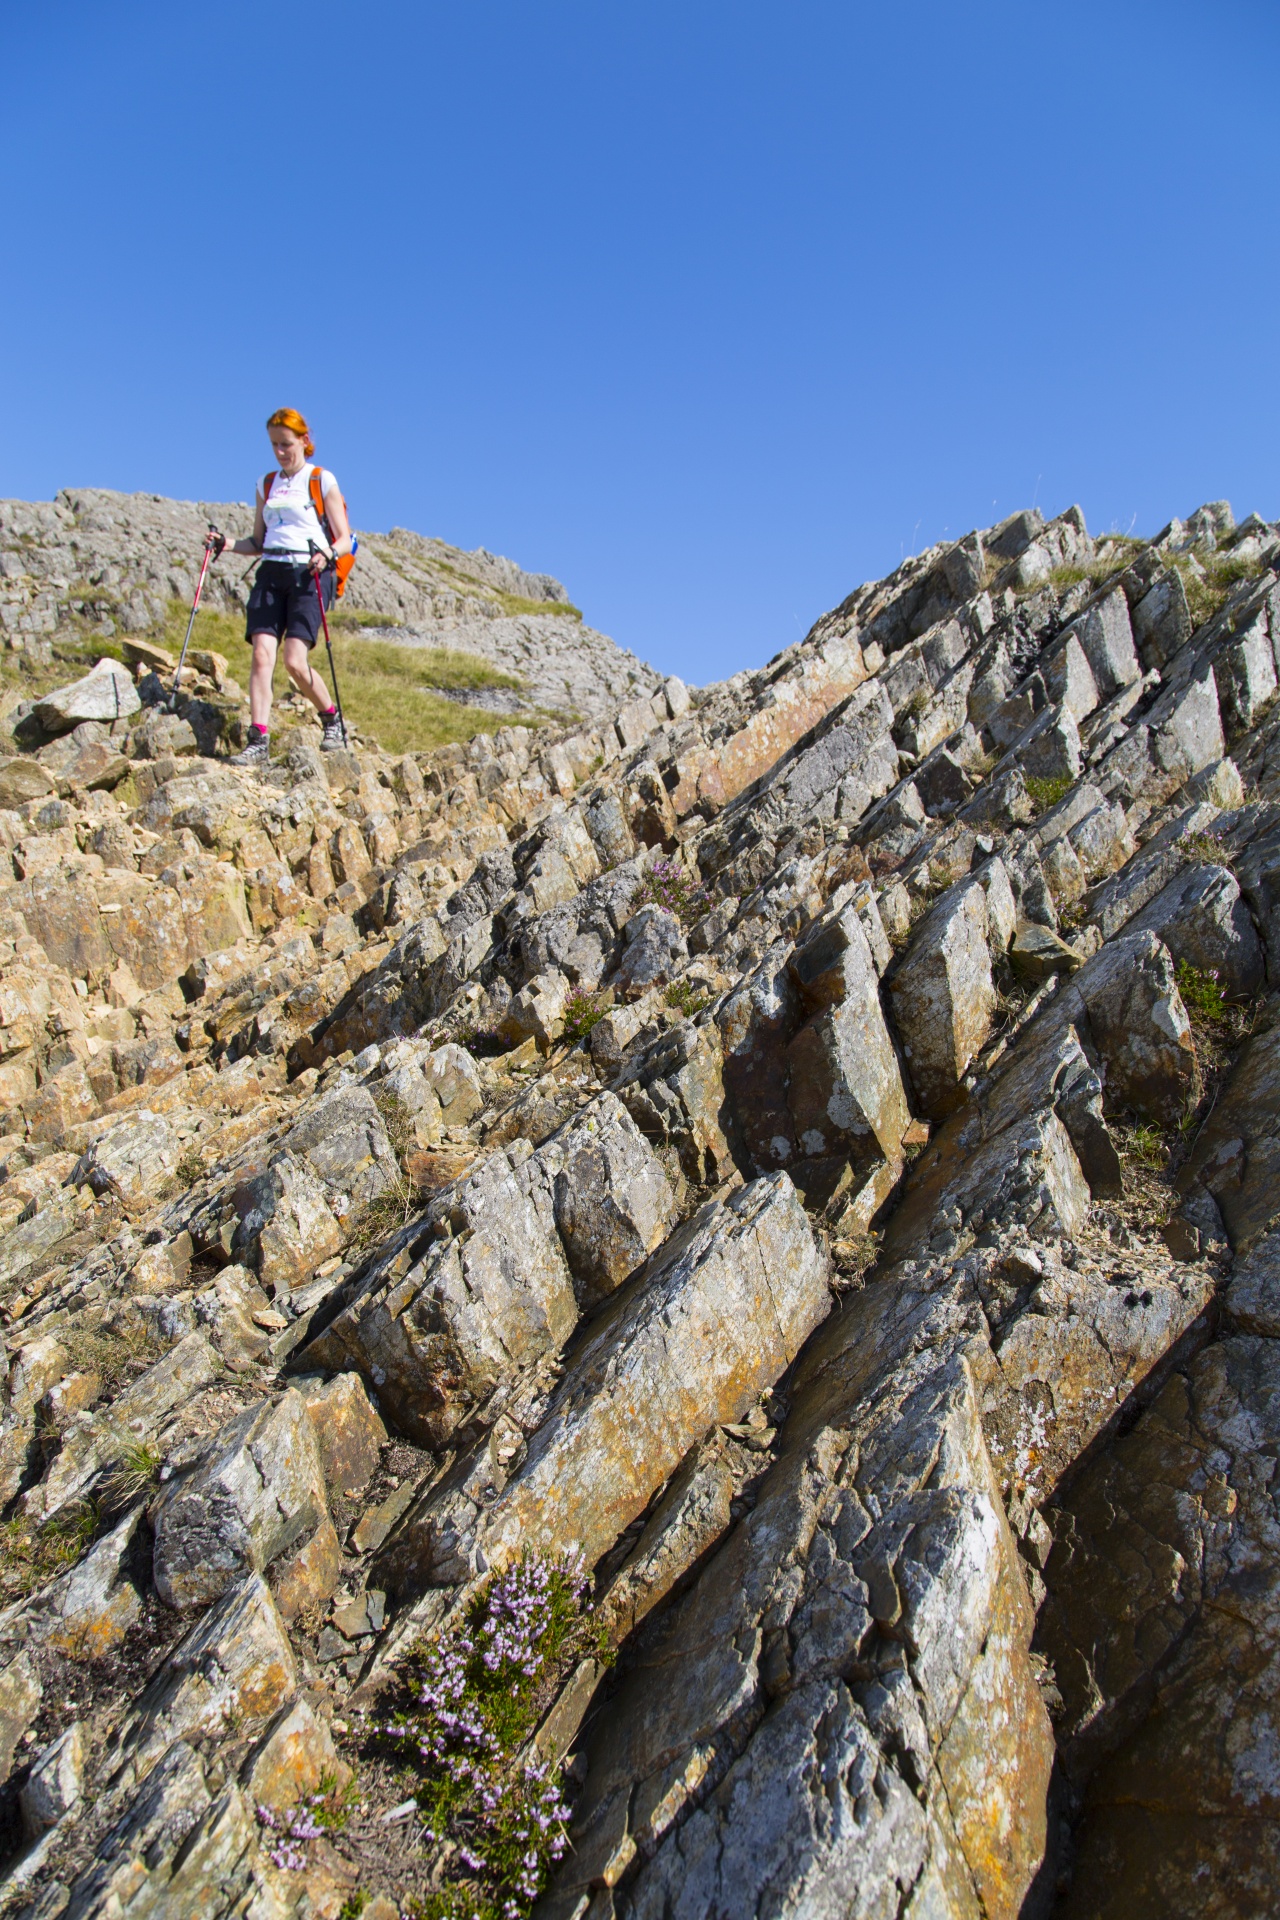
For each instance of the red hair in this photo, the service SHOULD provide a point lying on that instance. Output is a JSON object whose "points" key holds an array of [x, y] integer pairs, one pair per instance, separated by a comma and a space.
{"points": [[291, 418]]}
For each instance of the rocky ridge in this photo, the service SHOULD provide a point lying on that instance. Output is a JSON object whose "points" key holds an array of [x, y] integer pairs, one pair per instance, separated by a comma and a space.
{"points": [[114, 561], [804, 1158]]}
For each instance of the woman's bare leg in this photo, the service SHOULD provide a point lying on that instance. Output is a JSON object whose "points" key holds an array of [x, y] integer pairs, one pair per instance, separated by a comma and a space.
{"points": [[297, 660], [264, 665]]}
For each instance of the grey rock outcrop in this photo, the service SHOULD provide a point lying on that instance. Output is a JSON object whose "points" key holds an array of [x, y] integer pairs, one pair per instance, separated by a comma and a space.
{"points": [[805, 1155]]}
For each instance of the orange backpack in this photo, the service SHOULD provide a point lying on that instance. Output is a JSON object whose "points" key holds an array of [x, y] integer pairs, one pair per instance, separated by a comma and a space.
{"points": [[343, 562]]}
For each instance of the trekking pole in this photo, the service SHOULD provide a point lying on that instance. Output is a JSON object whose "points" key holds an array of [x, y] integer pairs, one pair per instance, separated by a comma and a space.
{"points": [[328, 645], [213, 543]]}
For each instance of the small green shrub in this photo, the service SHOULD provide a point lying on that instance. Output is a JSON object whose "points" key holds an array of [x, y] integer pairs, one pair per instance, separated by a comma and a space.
{"points": [[685, 998], [189, 1169], [1201, 995], [1046, 793], [582, 1012]]}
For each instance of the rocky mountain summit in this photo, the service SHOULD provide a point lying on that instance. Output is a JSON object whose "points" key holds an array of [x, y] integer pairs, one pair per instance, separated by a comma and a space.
{"points": [[116, 560], [672, 1318]]}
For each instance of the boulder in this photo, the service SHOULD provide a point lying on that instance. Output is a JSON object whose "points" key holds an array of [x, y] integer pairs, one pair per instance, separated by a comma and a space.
{"points": [[55, 1782], [134, 1160], [613, 1202], [1161, 620], [226, 1311], [20, 1695], [87, 1613], [943, 997], [537, 1011], [256, 1491], [286, 1227], [1140, 1026], [344, 1142], [1106, 637], [22, 780], [1236, 1157], [1203, 920], [1159, 1638], [296, 1756], [655, 952], [470, 1310], [844, 1088], [349, 1431], [107, 694]]}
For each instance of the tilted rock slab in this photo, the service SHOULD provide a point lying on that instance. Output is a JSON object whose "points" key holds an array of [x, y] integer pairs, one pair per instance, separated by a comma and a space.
{"points": [[107, 693], [865, 1734], [505, 1289], [235, 1667], [713, 1319], [943, 998], [260, 1488], [1161, 1624]]}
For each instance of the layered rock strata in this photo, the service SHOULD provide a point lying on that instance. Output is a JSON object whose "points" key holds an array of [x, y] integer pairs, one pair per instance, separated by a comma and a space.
{"points": [[805, 1154]]}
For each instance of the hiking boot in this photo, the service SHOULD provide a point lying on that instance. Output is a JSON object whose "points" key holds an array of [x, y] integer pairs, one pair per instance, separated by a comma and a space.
{"points": [[257, 753], [332, 737]]}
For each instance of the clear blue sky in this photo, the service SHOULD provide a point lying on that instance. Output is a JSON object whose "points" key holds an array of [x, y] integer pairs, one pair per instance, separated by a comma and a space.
{"points": [[713, 310]]}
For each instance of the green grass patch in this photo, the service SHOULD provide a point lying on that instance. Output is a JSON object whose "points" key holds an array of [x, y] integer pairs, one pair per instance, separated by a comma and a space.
{"points": [[1046, 793], [31, 1556], [1207, 590], [514, 603], [685, 998], [1144, 1145], [387, 690], [133, 1477]]}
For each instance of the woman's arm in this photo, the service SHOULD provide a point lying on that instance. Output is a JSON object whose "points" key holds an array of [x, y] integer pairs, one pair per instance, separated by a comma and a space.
{"points": [[254, 545], [336, 508]]}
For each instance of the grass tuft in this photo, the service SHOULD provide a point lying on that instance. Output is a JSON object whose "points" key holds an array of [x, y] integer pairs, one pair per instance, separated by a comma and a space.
{"points": [[31, 1556], [1046, 793], [134, 1476], [685, 998]]}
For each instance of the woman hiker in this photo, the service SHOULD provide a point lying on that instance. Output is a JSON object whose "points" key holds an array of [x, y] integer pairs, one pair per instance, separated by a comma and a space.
{"points": [[297, 551]]}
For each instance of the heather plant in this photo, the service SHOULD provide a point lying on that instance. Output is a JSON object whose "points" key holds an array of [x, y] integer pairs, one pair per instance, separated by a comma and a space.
{"points": [[667, 885], [582, 1012], [288, 1834], [495, 1810]]}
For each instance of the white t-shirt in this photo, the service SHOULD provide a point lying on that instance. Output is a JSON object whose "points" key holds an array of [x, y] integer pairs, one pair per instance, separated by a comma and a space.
{"points": [[290, 517]]}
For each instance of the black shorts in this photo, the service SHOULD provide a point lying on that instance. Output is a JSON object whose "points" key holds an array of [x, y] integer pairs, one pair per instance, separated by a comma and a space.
{"points": [[283, 602]]}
